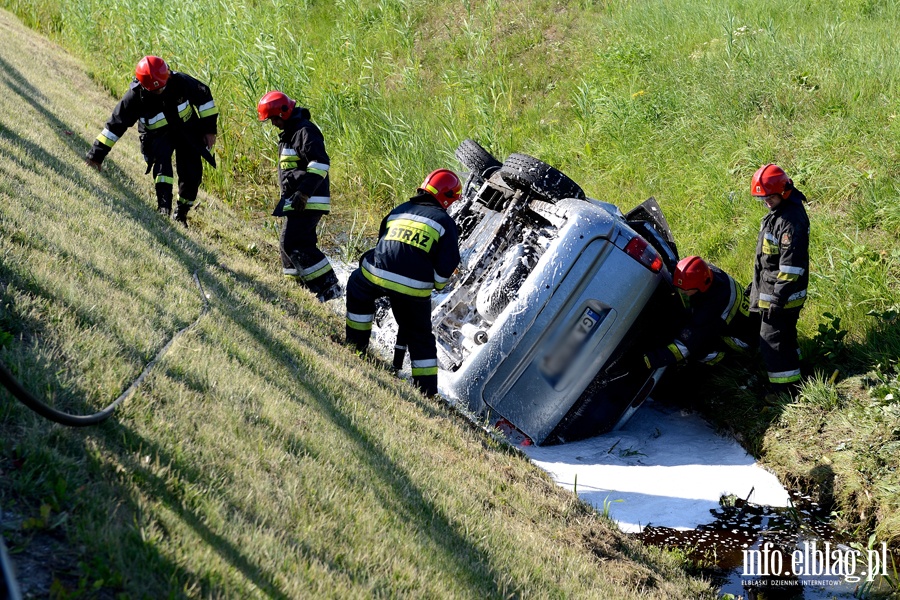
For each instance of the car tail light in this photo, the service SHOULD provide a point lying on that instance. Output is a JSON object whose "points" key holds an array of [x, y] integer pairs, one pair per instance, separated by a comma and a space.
{"points": [[644, 253]]}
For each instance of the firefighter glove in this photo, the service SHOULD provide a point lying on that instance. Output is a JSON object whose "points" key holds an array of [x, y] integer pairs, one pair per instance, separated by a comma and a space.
{"points": [[95, 164], [298, 201], [774, 311]]}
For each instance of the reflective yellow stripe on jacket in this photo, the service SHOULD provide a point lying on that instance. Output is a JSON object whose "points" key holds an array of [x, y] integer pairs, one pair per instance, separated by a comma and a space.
{"points": [[317, 168], [288, 159], [395, 282], [318, 203], [770, 244], [786, 273], [207, 110], [793, 301], [736, 303], [184, 110], [107, 138], [155, 122]]}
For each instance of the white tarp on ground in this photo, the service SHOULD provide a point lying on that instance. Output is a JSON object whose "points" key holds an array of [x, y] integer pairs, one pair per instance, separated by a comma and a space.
{"points": [[664, 467]]}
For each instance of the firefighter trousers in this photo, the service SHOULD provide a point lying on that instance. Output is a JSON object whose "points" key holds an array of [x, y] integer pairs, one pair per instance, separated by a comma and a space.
{"points": [[300, 256], [188, 164], [413, 316], [779, 347]]}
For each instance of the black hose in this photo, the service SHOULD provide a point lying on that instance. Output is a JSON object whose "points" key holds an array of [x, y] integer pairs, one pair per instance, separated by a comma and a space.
{"points": [[29, 400], [10, 587]]}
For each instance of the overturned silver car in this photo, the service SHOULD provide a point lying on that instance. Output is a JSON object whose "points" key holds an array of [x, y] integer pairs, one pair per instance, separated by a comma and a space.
{"points": [[555, 301]]}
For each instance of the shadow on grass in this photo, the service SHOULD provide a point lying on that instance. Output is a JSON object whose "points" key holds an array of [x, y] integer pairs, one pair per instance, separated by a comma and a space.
{"points": [[174, 498], [399, 492], [881, 344], [405, 499]]}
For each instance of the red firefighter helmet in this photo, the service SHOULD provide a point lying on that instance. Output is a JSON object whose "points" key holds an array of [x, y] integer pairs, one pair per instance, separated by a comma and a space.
{"points": [[692, 273], [770, 179], [275, 104], [152, 73], [444, 185]]}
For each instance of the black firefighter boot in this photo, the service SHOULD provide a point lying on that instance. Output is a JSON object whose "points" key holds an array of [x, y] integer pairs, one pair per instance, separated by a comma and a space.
{"points": [[778, 393], [164, 204], [399, 356], [181, 211], [329, 288]]}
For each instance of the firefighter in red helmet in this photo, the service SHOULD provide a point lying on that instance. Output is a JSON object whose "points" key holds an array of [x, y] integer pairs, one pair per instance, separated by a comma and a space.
{"points": [[176, 115], [718, 317], [780, 275], [416, 253], [303, 167]]}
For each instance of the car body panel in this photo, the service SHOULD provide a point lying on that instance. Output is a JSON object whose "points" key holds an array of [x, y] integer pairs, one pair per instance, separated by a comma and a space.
{"points": [[540, 355]]}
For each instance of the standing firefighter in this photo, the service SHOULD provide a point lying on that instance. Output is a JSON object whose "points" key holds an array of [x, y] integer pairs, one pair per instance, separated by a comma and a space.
{"points": [[176, 115], [780, 275], [303, 168], [718, 316], [417, 252]]}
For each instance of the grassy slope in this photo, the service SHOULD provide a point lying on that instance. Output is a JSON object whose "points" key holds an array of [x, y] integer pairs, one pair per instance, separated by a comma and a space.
{"points": [[259, 458]]}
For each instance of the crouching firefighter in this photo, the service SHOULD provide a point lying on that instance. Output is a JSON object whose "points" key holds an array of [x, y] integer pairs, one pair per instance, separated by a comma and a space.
{"points": [[303, 166], [718, 318], [417, 252], [176, 115]]}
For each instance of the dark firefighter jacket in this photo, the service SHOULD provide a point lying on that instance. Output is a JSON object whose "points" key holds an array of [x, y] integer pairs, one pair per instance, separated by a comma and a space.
{"points": [[303, 167], [781, 274], [720, 313], [417, 250], [184, 110]]}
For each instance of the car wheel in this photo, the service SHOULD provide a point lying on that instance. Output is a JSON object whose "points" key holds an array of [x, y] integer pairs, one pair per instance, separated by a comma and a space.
{"points": [[524, 170], [476, 159]]}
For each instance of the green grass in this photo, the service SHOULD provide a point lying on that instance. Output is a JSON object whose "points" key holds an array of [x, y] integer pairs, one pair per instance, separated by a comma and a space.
{"points": [[259, 459], [678, 100]]}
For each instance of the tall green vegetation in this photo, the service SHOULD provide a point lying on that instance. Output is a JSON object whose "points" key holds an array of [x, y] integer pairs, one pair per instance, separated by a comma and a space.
{"points": [[679, 100]]}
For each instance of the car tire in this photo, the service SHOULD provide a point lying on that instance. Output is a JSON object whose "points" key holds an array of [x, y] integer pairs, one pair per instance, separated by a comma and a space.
{"points": [[476, 159], [524, 170]]}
